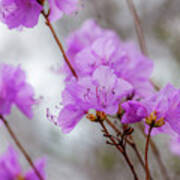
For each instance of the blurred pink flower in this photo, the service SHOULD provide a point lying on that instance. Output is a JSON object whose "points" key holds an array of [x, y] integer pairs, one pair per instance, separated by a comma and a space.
{"points": [[20, 13], [60, 7], [15, 90], [10, 168]]}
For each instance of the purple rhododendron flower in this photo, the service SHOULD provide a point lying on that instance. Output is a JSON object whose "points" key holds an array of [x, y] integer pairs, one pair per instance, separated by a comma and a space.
{"points": [[60, 7], [9, 165], [87, 50], [134, 112], [127, 62], [102, 92], [84, 37], [19, 13], [108, 71], [10, 168], [165, 105], [15, 90], [102, 52]]}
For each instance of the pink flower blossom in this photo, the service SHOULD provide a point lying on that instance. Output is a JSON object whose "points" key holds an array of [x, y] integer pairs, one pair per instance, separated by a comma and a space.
{"points": [[60, 7], [19, 13], [87, 50], [134, 112], [102, 91], [164, 104], [15, 90], [108, 71], [84, 37], [10, 168]]}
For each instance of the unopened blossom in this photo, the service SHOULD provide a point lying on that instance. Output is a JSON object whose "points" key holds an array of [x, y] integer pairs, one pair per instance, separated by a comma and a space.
{"points": [[103, 91], [60, 7], [134, 112], [163, 108], [87, 50], [20, 13], [15, 90], [10, 168]]}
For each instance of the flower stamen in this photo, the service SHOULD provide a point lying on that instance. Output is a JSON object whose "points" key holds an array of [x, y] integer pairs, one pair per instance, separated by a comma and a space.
{"points": [[152, 119]]}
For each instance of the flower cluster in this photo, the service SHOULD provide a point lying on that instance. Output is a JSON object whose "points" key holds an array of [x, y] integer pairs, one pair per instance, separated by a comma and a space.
{"points": [[109, 72], [103, 75], [10, 167], [114, 77], [25, 13], [15, 90], [162, 109]]}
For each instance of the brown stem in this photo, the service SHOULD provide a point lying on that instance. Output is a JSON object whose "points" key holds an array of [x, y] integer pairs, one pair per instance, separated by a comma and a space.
{"points": [[156, 154], [146, 152], [113, 126], [139, 29], [142, 44], [139, 32], [59, 44], [158, 157], [130, 142], [133, 145], [130, 164], [120, 149], [21, 148]]}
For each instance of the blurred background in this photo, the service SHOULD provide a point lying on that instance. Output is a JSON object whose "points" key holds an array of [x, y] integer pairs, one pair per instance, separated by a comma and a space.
{"points": [[83, 154]]}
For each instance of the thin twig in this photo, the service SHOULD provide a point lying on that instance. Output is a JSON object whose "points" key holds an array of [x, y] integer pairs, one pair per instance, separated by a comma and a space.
{"points": [[133, 145], [113, 126], [142, 44], [59, 44], [139, 29], [140, 33], [157, 154], [21, 148], [146, 152], [120, 149], [130, 142]]}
